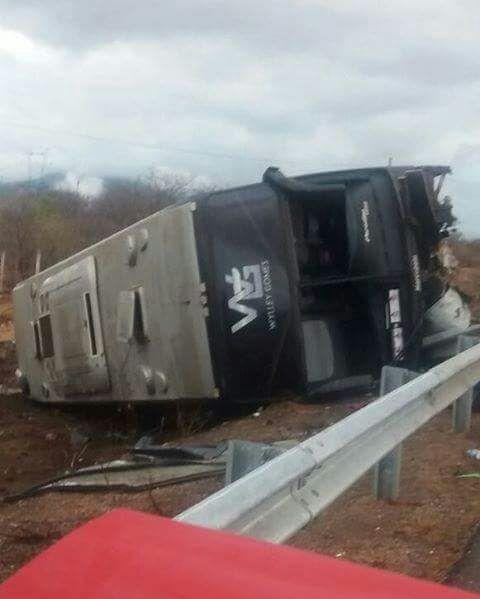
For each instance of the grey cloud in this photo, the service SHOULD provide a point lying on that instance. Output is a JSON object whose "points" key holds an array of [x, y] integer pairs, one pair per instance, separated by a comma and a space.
{"points": [[306, 84], [97, 22]]}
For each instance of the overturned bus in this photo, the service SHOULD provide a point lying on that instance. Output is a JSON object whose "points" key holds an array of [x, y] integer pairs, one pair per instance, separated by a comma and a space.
{"points": [[307, 284]]}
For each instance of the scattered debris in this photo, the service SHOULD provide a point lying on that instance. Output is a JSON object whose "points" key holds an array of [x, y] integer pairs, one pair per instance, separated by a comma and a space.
{"points": [[474, 453], [145, 447], [130, 474], [4, 390], [245, 456], [149, 466]]}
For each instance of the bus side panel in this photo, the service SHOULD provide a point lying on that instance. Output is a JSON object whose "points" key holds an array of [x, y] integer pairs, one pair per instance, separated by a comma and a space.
{"points": [[152, 312]]}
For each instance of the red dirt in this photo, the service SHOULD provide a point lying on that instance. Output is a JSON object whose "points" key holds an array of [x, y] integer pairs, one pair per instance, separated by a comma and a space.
{"points": [[417, 535]]}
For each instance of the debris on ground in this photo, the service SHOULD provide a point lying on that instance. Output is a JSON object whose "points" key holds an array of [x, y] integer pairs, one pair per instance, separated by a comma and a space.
{"points": [[245, 456], [124, 475], [146, 467], [149, 466], [474, 453]]}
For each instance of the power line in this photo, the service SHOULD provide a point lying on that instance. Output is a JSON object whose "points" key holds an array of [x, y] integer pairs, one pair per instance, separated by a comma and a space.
{"points": [[161, 147], [125, 142]]}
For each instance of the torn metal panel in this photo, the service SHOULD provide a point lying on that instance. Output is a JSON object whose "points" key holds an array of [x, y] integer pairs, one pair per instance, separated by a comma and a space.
{"points": [[151, 466], [132, 475], [244, 456]]}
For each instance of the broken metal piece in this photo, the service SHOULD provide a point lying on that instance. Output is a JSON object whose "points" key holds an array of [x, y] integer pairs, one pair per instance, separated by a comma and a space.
{"points": [[245, 456], [134, 475]]}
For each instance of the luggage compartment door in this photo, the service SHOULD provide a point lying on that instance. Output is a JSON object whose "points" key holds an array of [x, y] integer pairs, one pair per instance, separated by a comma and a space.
{"points": [[68, 306]]}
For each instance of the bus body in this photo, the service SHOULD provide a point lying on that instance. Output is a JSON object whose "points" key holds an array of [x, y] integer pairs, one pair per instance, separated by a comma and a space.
{"points": [[306, 284]]}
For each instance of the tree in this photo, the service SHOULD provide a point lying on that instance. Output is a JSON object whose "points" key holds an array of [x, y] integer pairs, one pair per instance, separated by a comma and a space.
{"points": [[60, 223]]}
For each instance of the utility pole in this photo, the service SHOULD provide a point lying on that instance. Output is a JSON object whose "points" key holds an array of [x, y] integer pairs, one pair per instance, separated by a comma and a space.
{"points": [[2, 271]]}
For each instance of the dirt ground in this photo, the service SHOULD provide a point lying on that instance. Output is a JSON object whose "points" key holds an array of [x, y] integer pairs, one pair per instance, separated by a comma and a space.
{"points": [[424, 534], [466, 573]]}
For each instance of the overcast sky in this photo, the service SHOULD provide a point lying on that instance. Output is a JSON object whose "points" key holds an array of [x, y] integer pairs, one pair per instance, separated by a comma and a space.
{"points": [[223, 89]]}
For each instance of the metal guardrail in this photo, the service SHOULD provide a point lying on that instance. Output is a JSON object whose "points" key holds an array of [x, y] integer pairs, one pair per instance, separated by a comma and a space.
{"points": [[277, 499]]}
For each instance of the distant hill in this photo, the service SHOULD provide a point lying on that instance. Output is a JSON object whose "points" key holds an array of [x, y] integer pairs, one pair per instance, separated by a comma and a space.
{"points": [[62, 180], [49, 181]]}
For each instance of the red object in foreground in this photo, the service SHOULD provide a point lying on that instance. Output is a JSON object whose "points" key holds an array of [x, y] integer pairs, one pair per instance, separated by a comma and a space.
{"points": [[130, 555]]}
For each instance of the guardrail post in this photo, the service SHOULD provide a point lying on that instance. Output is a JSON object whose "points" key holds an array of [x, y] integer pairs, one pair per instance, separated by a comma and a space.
{"points": [[387, 471], [462, 407]]}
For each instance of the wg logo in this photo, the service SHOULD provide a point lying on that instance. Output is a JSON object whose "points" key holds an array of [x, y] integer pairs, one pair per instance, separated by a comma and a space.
{"points": [[247, 288], [254, 282]]}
